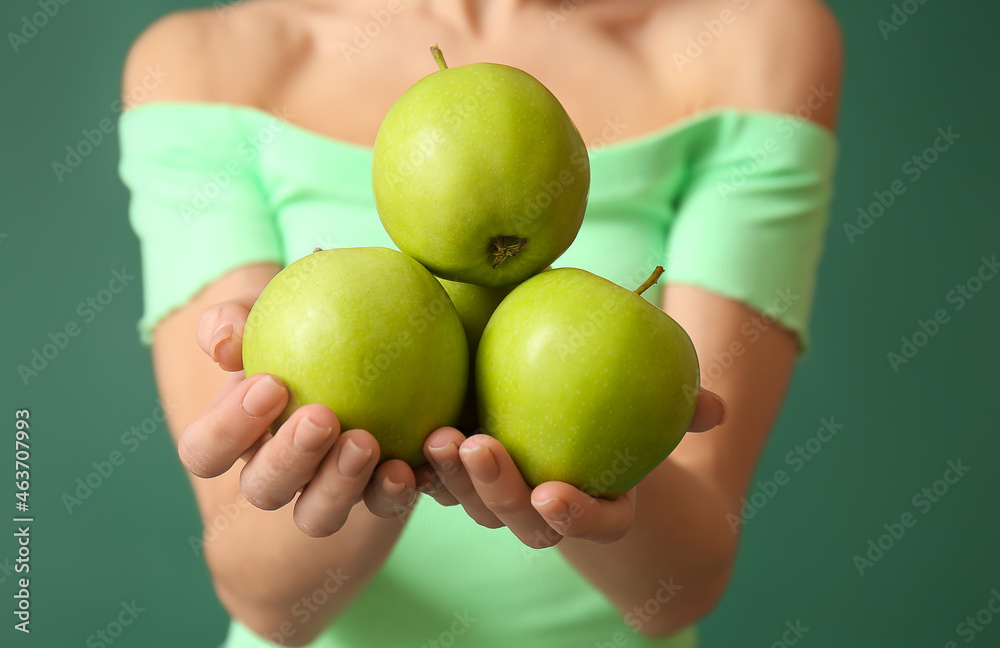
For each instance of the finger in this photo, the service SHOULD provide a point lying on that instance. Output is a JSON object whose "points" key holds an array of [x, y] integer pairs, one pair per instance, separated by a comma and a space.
{"points": [[503, 490], [287, 461], [429, 483], [442, 451], [392, 490], [322, 508], [252, 450], [220, 333], [212, 443], [709, 412], [574, 514]]}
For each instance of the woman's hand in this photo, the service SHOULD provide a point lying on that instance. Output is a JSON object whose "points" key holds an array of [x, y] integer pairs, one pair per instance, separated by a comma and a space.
{"points": [[309, 454], [477, 473]]}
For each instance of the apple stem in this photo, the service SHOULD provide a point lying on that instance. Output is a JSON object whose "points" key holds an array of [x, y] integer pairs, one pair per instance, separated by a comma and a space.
{"points": [[506, 246], [317, 249], [439, 57], [649, 282]]}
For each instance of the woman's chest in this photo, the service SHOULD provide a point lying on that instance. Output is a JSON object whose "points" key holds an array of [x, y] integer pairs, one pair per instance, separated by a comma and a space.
{"points": [[613, 89]]}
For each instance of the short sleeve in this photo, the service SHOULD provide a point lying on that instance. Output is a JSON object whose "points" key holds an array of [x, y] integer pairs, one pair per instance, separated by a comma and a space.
{"points": [[751, 219], [196, 202]]}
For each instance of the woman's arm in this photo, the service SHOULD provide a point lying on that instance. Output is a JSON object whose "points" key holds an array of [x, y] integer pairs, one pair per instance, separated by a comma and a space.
{"points": [[266, 571], [685, 531], [676, 558], [286, 571], [663, 552]]}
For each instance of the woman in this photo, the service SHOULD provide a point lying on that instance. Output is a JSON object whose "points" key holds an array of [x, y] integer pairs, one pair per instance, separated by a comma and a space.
{"points": [[710, 126]]}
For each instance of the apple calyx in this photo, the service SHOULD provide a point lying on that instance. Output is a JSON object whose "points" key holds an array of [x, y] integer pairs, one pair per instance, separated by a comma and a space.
{"points": [[653, 278], [506, 246], [438, 56]]}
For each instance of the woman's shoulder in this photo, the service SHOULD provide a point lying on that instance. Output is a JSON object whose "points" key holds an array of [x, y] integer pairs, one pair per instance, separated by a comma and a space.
{"points": [[782, 56], [213, 54]]}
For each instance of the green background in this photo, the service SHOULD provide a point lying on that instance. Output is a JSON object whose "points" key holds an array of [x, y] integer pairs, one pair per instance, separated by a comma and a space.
{"points": [[129, 540]]}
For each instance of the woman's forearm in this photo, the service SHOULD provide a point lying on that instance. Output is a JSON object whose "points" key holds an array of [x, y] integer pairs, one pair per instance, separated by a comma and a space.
{"points": [[681, 534], [278, 581], [270, 575], [283, 584]]}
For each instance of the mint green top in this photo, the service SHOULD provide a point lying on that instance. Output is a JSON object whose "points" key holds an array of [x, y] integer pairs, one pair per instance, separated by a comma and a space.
{"points": [[732, 201]]}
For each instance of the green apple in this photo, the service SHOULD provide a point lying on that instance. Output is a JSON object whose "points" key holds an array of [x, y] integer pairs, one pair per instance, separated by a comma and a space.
{"points": [[371, 334], [585, 382], [474, 304], [479, 174]]}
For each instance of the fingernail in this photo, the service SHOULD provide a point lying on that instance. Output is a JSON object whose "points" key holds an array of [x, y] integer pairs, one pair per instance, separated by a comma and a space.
{"points": [[392, 488], [486, 467], [440, 448], [221, 337], [555, 512], [352, 459], [309, 436], [556, 509], [262, 397]]}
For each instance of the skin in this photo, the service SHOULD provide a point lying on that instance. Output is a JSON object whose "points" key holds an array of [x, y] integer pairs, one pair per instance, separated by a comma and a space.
{"points": [[325, 503]]}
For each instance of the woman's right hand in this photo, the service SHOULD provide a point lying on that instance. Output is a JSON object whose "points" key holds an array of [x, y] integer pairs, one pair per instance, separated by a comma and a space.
{"points": [[333, 469]]}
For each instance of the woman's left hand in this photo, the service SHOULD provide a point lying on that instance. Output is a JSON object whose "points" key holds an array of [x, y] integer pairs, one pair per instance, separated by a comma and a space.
{"points": [[477, 473]]}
